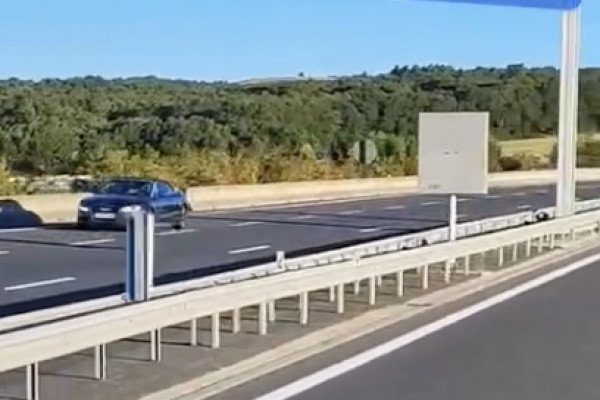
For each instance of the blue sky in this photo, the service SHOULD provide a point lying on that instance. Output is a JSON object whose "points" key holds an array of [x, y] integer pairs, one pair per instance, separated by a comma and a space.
{"points": [[240, 39]]}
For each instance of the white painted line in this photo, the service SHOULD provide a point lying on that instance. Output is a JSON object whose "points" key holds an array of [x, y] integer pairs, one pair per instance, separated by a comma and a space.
{"points": [[493, 196], [175, 232], [463, 200], [519, 194], [302, 217], [249, 249], [524, 207], [93, 241], [247, 223], [352, 363], [350, 212], [370, 230], [462, 216], [38, 284], [431, 203], [17, 230], [398, 207], [4, 252], [541, 191]]}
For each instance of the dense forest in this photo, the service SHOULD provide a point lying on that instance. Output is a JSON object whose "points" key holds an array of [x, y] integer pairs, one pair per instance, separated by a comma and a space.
{"points": [[246, 132]]}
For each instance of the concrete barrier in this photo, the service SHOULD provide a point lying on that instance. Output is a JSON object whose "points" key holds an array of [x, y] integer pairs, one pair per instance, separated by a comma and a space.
{"points": [[238, 196], [63, 207], [18, 211]]}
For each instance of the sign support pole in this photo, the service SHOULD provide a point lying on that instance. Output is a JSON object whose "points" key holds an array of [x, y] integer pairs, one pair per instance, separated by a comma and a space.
{"points": [[568, 113]]}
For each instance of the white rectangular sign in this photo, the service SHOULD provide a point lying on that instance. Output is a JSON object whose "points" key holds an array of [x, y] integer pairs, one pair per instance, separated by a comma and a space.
{"points": [[453, 152]]}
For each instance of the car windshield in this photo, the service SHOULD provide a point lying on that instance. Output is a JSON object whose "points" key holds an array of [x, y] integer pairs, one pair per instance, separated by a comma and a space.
{"points": [[128, 188]]}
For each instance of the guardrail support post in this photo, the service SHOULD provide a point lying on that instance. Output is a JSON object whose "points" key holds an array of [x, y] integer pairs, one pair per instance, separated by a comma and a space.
{"points": [[340, 298], [262, 318], [280, 259], [400, 283], [552, 241], [272, 311], [215, 322], [467, 265], [356, 287], [100, 362], [501, 256], [303, 308], [236, 320], [425, 277], [379, 280], [528, 248], [331, 294], [33, 381], [540, 244], [155, 347], [372, 290], [515, 252], [447, 270], [194, 332]]}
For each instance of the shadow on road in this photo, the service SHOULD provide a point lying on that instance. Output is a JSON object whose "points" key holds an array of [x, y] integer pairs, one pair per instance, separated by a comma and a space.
{"points": [[13, 215]]}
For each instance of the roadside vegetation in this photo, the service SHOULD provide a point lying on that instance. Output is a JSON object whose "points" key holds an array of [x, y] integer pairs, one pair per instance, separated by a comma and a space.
{"points": [[195, 133]]}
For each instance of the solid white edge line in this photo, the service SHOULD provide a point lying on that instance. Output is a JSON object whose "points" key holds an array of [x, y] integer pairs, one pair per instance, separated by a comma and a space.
{"points": [[4, 252], [39, 283], [249, 249], [431, 203], [17, 230], [335, 370]]}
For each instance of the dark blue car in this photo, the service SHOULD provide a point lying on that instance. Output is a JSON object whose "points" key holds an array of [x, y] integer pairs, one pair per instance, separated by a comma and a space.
{"points": [[110, 206]]}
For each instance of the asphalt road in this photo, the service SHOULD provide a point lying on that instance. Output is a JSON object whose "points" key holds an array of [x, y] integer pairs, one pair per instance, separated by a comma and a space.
{"points": [[541, 344], [48, 266]]}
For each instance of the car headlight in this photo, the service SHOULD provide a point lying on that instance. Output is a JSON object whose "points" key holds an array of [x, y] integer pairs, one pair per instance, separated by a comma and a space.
{"points": [[84, 209], [130, 209]]}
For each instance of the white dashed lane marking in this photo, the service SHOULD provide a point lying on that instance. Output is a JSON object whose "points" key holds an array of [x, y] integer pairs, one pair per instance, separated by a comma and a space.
{"points": [[398, 207], [31, 285], [302, 217], [431, 203], [4, 252], [249, 249], [92, 242], [175, 232], [493, 196], [349, 212], [370, 230], [524, 207], [247, 223]]}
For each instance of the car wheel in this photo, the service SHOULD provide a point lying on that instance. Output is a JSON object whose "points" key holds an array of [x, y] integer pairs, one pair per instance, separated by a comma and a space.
{"points": [[180, 224]]}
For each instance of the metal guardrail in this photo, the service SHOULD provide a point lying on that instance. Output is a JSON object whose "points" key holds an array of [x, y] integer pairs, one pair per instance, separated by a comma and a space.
{"points": [[399, 243], [28, 347]]}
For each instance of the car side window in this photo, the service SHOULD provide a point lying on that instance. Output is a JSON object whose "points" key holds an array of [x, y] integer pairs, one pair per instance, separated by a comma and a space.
{"points": [[164, 189]]}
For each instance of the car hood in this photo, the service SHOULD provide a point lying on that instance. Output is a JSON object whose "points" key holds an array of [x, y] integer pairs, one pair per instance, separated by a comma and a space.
{"points": [[113, 201]]}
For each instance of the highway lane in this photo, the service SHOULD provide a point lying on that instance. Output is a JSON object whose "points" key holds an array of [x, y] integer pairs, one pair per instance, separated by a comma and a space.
{"points": [[49, 266], [541, 344]]}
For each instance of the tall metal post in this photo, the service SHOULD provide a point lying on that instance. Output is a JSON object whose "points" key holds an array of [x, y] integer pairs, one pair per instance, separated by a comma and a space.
{"points": [[568, 112]]}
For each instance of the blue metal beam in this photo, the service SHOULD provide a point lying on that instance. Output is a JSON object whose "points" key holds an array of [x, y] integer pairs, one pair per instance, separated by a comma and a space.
{"points": [[550, 4]]}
